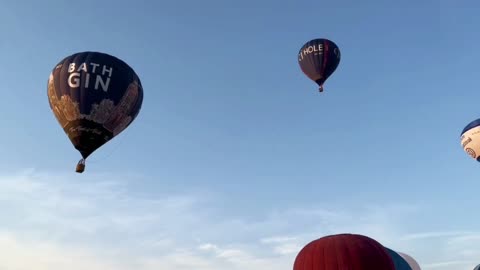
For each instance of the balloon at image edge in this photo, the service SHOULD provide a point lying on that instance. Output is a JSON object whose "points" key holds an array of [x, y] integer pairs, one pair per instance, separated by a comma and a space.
{"points": [[477, 267], [94, 97], [399, 262], [470, 139], [343, 251], [411, 261], [318, 60]]}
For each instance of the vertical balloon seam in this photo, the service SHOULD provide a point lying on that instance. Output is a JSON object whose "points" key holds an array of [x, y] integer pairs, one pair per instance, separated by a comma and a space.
{"points": [[308, 258], [316, 249], [348, 247], [335, 248], [84, 93], [324, 64], [391, 254], [368, 244], [311, 61], [138, 102], [316, 60], [76, 58]]}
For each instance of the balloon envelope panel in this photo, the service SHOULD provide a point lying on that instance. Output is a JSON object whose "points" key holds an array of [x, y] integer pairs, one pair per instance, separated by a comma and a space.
{"points": [[343, 251]]}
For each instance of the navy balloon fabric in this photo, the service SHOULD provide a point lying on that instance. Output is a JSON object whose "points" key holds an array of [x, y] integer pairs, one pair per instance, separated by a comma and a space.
{"points": [[398, 261], [94, 97]]}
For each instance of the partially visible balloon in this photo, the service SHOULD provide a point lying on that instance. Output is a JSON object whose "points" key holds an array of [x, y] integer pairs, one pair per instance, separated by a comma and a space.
{"points": [[343, 251], [318, 59], [94, 97], [413, 264], [477, 267], [470, 139], [399, 262]]}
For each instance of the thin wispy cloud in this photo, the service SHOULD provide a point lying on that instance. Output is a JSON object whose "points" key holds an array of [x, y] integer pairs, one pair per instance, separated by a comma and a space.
{"points": [[454, 264], [56, 221], [426, 235]]}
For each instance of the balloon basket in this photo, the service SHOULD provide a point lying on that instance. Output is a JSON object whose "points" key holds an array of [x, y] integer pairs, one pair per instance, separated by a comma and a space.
{"points": [[80, 166]]}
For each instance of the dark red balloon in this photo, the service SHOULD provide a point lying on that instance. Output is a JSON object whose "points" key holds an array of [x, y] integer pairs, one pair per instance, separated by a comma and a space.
{"points": [[343, 252]]}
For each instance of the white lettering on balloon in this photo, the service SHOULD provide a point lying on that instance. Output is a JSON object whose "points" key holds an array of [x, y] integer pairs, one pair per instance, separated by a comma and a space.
{"points": [[94, 76]]}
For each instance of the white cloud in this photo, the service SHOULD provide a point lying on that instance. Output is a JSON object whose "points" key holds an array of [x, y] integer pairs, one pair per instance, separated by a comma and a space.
{"points": [[447, 265], [426, 235], [60, 221]]}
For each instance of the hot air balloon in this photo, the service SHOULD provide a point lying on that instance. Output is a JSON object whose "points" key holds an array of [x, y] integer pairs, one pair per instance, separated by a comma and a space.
{"points": [[477, 267], [94, 97], [318, 59], [343, 251], [413, 264], [399, 262], [470, 139]]}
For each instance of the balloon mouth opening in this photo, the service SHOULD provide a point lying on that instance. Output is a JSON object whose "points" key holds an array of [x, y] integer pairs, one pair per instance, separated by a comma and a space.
{"points": [[84, 149], [87, 142], [85, 153]]}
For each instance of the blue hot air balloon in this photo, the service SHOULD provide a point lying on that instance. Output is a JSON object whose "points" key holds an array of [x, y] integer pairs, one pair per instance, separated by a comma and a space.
{"points": [[94, 96], [318, 59], [399, 262], [470, 139]]}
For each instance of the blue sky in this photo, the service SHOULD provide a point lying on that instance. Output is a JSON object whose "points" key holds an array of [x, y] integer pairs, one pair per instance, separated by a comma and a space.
{"points": [[235, 160]]}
